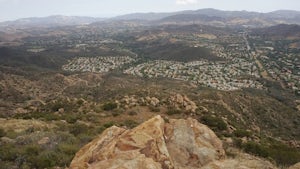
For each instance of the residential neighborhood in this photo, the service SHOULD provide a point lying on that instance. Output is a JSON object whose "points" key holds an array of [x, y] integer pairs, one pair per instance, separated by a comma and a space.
{"points": [[222, 76], [97, 64]]}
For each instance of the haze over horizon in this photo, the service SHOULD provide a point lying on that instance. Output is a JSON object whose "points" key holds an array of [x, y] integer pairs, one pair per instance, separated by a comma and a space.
{"points": [[16, 9]]}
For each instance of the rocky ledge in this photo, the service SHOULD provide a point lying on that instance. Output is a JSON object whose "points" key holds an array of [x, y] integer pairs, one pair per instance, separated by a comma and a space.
{"points": [[161, 144]]}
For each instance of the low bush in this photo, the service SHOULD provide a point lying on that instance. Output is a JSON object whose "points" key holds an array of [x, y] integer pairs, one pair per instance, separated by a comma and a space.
{"points": [[132, 113], [256, 149], [115, 114], [8, 152], [69, 149], [45, 159], [279, 152], [71, 118], [173, 112], [2, 132], [11, 134], [214, 122], [130, 123], [108, 124], [77, 129], [241, 133], [109, 106], [284, 154], [154, 109]]}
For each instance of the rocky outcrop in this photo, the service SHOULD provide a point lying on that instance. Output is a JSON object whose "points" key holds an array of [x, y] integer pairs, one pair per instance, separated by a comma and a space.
{"points": [[156, 144], [132, 101], [183, 102], [296, 166]]}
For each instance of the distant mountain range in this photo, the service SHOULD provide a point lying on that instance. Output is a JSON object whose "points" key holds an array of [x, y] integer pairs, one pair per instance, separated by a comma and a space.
{"points": [[50, 21], [218, 17], [202, 16]]}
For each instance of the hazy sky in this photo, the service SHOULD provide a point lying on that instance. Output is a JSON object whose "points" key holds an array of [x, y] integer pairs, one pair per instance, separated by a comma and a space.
{"points": [[13, 9]]}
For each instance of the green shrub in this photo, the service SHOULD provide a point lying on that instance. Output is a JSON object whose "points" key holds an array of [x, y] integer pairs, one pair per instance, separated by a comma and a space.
{"points": [[100, 129], [284, 154], [80, 102], [66, 105], [230, 154], [130, 123], [48, 116], [108, 124], [115, 114], [241, 133], [279, 152], [46, 159], [132, 113], [32, 150], [173, 112], [256, 149], [85, 138], [77, 129], [64, 159], [56, 106], [11, 134], [154, 109], [69, 149], [237, 142], [2, 132], [214, 122], [227, 134], [109, 106], [71, 119], [98, 108], [8, 152]]}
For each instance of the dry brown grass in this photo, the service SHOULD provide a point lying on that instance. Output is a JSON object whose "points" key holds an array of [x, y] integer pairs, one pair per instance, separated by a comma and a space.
{"points": [[20, 125]]}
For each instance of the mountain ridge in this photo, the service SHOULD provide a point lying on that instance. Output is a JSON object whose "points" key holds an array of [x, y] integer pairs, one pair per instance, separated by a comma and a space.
{"points": [[271, 18], [50, 21]]}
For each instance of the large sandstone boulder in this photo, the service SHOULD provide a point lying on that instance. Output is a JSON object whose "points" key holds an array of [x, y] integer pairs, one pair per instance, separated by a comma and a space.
{"points": [[156, 144]]}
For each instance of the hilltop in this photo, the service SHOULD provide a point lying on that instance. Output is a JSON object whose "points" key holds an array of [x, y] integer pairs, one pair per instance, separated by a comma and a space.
{"points": [[161, 144]]}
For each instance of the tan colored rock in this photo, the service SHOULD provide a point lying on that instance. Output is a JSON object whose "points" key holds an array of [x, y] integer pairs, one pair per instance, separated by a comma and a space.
{"points": [[179, 99], [126, 100], [182, 101], [20, 111], [255, 128], [295, 166], [61, 110], [152, 145], [99, 149], [129, 101], [154, 101], [298, 107], [228, 141], [191, 144], [44, 140], [155, 144]]}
